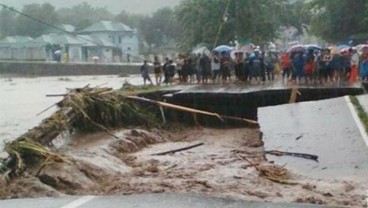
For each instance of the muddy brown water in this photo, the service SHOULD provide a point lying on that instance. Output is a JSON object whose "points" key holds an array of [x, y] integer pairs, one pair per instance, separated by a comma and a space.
{"points": [[21, 99]]}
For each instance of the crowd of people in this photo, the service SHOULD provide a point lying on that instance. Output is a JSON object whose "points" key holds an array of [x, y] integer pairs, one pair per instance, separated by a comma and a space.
{"points": [[318, 66], [324, 66]]}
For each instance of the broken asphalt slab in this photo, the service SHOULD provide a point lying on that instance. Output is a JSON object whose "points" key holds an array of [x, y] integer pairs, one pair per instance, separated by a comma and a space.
{"points": [[324, 128]]}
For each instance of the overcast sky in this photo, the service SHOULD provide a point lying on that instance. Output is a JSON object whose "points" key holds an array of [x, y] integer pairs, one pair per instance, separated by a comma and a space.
{"points": [[115, 6]]}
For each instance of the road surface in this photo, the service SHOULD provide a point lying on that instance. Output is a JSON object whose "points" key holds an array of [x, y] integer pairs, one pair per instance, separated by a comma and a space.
{"points": [[328, 128], [145, 201]]}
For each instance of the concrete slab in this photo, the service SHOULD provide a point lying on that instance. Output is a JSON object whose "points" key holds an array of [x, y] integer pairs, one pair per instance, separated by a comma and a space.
{"points": [[238, 88], [325, 128], [146, 201]]}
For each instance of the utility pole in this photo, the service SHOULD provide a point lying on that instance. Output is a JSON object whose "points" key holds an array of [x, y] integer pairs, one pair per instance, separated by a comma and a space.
{"points": [[236, 20]]}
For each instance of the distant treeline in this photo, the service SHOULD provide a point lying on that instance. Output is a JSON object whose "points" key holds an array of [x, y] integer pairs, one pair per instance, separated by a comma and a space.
{"points": [[195, 22]]}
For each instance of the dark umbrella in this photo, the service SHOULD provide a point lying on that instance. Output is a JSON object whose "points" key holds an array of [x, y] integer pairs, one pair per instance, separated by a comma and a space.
{"points": [[296, 48]]}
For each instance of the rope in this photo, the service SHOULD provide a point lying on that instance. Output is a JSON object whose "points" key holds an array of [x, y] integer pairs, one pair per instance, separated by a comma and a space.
{"points": [[222, 23]]}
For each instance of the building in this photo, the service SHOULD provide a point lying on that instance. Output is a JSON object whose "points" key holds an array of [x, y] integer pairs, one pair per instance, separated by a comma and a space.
{"points": [[108, 41], [20, 48], [119, 34]]}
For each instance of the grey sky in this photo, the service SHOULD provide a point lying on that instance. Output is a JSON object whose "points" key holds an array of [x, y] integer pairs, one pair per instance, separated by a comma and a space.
{"points": [[115, 6]]}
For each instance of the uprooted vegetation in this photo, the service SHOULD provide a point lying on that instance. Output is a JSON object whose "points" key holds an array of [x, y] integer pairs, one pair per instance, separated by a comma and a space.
{"points": [[82, 110]]}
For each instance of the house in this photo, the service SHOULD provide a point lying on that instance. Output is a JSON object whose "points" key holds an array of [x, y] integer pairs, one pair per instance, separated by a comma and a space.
{"points": [[20, 48], [62, 29], [101, 47], [56, 41], [119, 34], [110, 42]]}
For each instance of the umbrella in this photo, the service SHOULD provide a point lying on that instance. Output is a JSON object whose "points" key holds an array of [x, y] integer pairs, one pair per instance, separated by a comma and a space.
{"points": [[345, 50], [363, 48], [296, 48], [246, 48], [201, 50], [252, 55], [343, 47], [233, 52], [223, 48], [313, 47], [334, 50]]}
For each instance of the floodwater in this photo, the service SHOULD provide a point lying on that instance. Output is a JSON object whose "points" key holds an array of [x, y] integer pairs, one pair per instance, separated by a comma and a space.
{"points": [[21, 99]]}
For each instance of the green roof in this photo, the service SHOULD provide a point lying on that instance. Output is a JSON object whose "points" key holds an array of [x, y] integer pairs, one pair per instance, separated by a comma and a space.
{"points": [[15, 39], [65, 27], [56, 39], [91, 41], [109, 26], [60, 39]]}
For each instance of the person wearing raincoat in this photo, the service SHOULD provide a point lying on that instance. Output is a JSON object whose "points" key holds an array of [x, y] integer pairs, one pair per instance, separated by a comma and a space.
{"points": [[286, 67], [364, 68], [354, 60], [309, 66], [299, 61]]}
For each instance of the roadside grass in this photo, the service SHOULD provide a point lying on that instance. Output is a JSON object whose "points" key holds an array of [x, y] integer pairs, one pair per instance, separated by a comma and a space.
{"points": [[361, 113]]}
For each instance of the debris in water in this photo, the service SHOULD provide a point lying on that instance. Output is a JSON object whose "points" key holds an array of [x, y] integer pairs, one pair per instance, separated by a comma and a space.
{"points": [[294, 154]]}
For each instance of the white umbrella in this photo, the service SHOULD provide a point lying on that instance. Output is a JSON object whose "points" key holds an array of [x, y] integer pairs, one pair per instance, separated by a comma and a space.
{"points": [[201, 50]]}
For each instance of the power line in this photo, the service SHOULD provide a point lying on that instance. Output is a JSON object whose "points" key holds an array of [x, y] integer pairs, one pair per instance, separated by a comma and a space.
{"points": [[55, 27]]}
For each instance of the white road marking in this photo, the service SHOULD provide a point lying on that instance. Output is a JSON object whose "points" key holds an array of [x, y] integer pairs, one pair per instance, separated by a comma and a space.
{"points": [[79, 202], [357, 120]]}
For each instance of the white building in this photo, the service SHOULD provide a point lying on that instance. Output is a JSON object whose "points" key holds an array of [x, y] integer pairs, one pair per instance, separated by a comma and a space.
{"points": [[119, 34]]}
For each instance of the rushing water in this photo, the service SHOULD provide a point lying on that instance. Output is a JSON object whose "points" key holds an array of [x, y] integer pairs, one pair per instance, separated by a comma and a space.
{"points": [[21, 99]]}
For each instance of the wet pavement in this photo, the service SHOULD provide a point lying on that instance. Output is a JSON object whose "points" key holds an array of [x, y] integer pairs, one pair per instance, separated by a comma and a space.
{"points": [[363, 100], [146, 201], [234, 88], [325, 128]]}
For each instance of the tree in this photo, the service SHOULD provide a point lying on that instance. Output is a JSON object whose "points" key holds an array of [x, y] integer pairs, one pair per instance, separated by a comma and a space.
{"points": [[7, 23], [296, 15], [83, 15], [159, 29], [245, 19], [29, 27], [338, 20], [132, 20]]}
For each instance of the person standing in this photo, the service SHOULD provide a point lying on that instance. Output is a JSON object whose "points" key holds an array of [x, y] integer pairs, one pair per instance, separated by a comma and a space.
{"points": [[157, 70], [309, 66], [225, 67], [246, 68], [299, 61], [364, 68], [255, 66], [180, 64], [145, 73], [215, 66], [285, 65], [171, 69], [207, 69], [165, 68], [354, 63], [270, 66]]}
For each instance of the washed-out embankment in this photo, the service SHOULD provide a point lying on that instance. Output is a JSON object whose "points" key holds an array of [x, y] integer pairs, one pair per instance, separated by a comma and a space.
{"points": [[100, 164], [240, 104]]}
